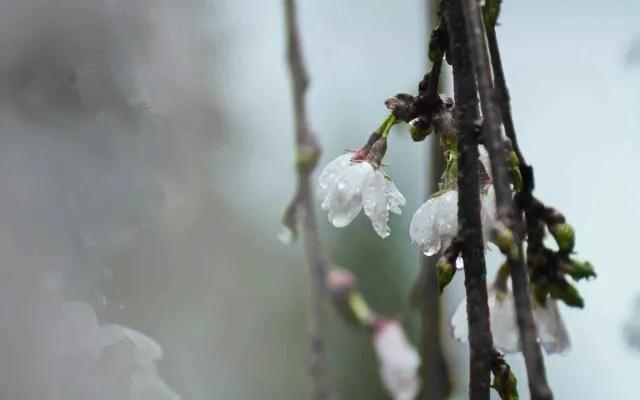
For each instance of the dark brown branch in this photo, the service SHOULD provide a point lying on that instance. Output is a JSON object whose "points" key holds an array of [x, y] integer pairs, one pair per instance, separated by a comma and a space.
{"points": [[307, 153], [467, 118], [507, 212], [434, 368]]}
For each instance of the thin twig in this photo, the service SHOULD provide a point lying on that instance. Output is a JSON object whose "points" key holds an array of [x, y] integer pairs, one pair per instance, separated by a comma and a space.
{"points": [[467, 117], [507, 212], [307, 153], [434, 369]]}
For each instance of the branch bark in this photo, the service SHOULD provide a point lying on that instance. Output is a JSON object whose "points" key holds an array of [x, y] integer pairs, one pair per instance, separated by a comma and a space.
{"points": [[507, 212], [307, 153], [468, 120]]}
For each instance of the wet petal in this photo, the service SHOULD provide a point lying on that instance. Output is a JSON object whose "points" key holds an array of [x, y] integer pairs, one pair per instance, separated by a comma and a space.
{"points": [[504, 325], [435, 224], [374, 199], [488, 212], [459, 325], [329, 176], [422, 230], [399, 360], [346, 201], [552, 332], [396, 199]]}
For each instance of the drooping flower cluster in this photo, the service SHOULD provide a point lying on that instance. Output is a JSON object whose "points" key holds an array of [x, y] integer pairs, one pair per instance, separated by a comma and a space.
{"points": [[346, 186], [552, 333], [398, 359]]}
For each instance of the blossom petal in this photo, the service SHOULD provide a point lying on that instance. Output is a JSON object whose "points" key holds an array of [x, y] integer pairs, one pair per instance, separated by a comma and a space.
{"points": [[504, 325], [458, 322], [346, 201], [374, 199], [396, 199], [447, 217], [484, 159], [329, 176], [435, 224], [488, 212], [399, 360], [552, 332], [502, 318]]}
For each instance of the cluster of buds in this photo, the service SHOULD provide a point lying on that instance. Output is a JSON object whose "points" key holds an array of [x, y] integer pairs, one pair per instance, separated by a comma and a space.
{"points": [[435, 118], [549, 268]]}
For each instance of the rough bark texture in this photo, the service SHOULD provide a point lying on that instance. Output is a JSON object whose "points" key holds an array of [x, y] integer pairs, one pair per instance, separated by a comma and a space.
{"points": [[306, 149], [468, 119]]}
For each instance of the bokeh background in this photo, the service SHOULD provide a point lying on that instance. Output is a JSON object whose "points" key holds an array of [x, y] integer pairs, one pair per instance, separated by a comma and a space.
{"points": [[146, 158]]}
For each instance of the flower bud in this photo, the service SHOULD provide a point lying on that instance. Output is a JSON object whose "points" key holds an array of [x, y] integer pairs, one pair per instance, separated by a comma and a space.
{"points": [[399, 360], [505, 240], [420, 128], [514, 170], [446, 271], [361, 153], [401, 106], [540, 292], [377, 152], [579, 269], [340, 280], [566, 292], [564, 235], [504, 381], [307, 157]]}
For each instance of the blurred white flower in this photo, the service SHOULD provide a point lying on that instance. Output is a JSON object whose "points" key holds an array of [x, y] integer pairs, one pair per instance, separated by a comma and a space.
{"points": [[502, 318], [122, 359], [435, 224], [552, 333], [346, 187], [399, 361]]}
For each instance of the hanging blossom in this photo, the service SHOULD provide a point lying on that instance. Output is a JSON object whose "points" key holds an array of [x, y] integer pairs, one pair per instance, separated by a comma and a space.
{"points": [[399, 361], [435, 223], [354, 181], [118, 360], [552, 333]]}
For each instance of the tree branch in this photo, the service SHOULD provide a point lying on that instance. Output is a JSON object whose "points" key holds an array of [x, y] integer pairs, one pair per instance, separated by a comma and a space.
{"points": [[468, 118], [307, 153], [434, 369], [507, 212]]}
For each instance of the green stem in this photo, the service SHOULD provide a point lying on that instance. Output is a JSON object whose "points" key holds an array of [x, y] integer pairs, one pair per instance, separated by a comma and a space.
{"points": [[385, 128]]}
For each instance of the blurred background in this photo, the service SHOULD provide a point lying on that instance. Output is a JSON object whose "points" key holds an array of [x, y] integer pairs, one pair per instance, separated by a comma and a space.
{"points": [[146, 159]]}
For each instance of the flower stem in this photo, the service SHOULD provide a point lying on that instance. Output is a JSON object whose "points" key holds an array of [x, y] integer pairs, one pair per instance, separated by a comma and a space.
{"points": [[386, 126], [314, 252]]}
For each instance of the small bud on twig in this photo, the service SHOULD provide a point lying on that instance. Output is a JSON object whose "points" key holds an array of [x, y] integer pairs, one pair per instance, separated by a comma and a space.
{"points": [[564, 235]]}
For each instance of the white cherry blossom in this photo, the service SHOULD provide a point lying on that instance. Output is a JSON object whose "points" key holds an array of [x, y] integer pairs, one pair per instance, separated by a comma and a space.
{"points": [[552, 333], [118, 360], [502, 318], [346, 187], [399, 360], [435, 224]]}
